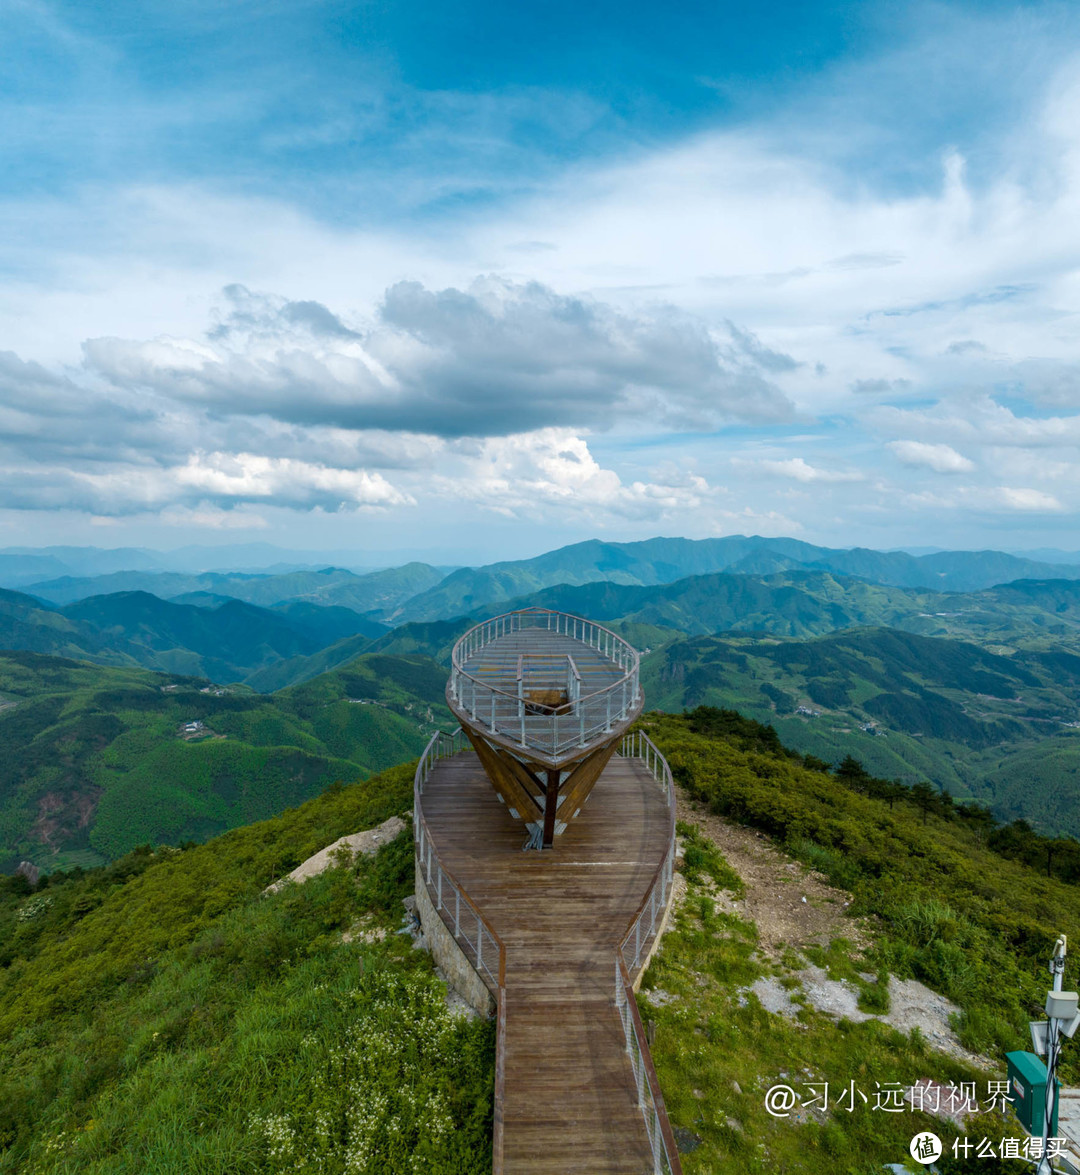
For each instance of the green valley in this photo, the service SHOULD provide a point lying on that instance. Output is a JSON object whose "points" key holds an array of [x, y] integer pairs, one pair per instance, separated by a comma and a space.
{"points": [[99, 760], [999, 729]]}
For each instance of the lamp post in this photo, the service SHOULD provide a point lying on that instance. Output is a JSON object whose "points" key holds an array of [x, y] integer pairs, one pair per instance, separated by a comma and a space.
{"points": [[1063, 1019]]}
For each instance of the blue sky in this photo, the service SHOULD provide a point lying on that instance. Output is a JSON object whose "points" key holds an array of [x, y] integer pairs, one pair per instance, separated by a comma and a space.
{"points": [[407, 276]]}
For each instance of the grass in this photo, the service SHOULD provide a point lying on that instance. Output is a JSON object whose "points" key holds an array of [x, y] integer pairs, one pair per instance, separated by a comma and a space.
{"points": [[972, 924], [160, 1015], [718, 1051]]}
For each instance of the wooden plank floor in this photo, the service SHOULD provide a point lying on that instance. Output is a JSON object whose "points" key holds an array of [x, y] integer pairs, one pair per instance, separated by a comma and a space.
{"points": [[544, 653], [570, 1102], [545, 666]]}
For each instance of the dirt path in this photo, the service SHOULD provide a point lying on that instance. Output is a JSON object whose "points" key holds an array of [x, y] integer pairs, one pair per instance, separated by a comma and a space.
{"points": [[790, 904]]}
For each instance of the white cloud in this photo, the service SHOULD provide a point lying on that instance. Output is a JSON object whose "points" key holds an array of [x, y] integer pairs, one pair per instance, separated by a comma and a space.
{"points": [[355, 386], [496, 358], [1027, 499], [251, 476], [531, 473], [798, 469], [204, 482], [938, 457]]}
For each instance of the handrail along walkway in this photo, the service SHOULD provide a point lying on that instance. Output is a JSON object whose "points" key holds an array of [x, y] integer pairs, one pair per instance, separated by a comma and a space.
{"points": [[639, 936], [471, 930]]}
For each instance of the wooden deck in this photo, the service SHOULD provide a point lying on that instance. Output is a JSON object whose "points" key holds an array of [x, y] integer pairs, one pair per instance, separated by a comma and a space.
{"points": [[545, 653], [569, 1099], [579, 683]]}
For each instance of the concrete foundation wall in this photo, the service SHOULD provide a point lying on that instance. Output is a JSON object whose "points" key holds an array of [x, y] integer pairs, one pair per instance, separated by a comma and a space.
{"points": [[460, 973]]}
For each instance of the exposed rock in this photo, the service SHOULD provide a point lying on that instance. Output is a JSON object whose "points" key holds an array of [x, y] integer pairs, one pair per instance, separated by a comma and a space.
{"points": [[356, 845], [686, 1140], [658, 997], [911, 1005], [30, 872]]}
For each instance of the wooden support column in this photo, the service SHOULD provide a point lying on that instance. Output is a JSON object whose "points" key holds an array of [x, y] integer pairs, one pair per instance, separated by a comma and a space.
{"points": [[551, 800]]}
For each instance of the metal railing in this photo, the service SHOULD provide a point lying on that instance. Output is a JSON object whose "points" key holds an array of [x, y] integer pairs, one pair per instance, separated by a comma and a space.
{"points": [[552, 730], [477, 939], [630, 956], [479, 942]]}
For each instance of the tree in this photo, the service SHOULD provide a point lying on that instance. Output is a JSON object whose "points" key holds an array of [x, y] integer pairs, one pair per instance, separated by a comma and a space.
{"points": [[925, 798]]}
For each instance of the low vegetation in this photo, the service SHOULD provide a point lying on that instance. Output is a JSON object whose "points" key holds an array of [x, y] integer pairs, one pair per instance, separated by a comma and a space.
{"points": [[947, 908], [956, 904], [159, 1015]]}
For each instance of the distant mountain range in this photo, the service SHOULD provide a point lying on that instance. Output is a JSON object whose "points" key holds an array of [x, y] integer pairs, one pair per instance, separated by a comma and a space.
{"points": [[420, 592], [659, 561], [376, 593], [20, 566], [958, 667]]}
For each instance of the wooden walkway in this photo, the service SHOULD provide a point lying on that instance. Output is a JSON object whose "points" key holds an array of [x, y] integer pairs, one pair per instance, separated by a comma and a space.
{"points": [[570, 1104]]}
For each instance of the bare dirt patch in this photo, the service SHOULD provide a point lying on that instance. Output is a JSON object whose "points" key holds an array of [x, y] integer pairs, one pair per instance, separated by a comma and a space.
{"points": [[790, 904], [62, 814]]}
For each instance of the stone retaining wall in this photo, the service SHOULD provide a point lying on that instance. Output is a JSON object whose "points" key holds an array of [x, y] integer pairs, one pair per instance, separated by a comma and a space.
{"points": [[460, 973]]}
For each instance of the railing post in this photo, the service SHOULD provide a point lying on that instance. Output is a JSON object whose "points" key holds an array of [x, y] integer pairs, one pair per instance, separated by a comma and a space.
{"points": [[457, 912]]}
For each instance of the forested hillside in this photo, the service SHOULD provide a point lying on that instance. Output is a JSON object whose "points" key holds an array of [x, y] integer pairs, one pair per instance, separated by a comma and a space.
{"points": [[1000, 729], [160, 1016], [99, 760], [847, 652]]}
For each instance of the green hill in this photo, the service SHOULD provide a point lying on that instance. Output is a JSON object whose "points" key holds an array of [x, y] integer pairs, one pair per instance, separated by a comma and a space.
{"points": [[221, 638], [665, 560], [98, 760], [159, 1015], [375, 591], [940, 906], [1026, 614], [1000, 729]]}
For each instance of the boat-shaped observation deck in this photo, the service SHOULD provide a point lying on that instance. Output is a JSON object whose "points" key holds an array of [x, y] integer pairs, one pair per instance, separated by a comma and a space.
{"points": [[543, 697]]}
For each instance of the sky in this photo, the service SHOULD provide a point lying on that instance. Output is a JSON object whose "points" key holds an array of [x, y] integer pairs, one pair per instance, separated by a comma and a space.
{"points": [[484, 279]]}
